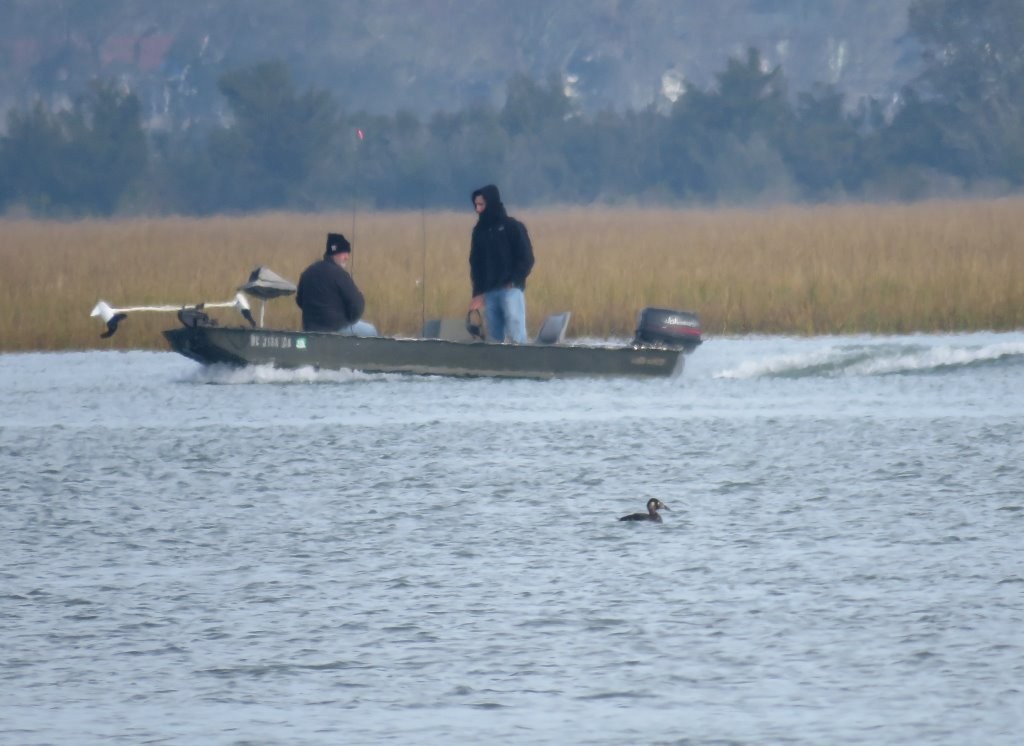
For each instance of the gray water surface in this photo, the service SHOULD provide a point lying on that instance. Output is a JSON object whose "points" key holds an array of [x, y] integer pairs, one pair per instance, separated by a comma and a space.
{"points": [[258, 557]]}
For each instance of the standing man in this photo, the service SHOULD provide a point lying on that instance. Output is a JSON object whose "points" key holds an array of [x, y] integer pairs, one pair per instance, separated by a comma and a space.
{"points": [[328, 296], [500, 260]]}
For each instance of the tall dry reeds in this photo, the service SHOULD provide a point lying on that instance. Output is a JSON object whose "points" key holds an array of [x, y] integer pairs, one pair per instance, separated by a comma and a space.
{"points": [[936, 266]]}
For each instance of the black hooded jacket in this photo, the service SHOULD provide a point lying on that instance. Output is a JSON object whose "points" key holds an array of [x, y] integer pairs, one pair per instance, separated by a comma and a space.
{"points": [[500, 252]]}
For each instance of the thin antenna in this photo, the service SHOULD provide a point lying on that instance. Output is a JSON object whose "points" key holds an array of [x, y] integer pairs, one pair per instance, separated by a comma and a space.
{"points": [[423, 259]]}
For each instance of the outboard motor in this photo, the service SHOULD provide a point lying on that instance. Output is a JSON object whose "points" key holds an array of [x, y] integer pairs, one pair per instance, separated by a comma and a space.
{"points": [[190, 318], [663, 327]]}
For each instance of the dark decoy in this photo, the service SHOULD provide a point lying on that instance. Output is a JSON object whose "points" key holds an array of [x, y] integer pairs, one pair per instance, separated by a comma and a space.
{"points": [[653, 506]]}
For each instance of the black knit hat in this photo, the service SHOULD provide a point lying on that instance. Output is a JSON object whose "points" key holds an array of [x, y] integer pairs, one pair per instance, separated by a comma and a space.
{"points": [[337, 244]]}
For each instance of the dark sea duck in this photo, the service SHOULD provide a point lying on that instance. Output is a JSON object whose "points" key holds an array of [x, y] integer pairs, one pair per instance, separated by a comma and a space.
{"points": [[653, 506]]}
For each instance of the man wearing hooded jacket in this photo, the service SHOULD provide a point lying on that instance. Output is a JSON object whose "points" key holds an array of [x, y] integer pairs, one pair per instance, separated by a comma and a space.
{"points": [[500, 260]]}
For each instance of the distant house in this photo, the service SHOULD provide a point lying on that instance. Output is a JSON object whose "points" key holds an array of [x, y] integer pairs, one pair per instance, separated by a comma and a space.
{"points": [[146, 53]]}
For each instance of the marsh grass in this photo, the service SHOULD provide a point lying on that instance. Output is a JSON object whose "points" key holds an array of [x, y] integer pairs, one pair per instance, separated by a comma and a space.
{"points": [[936, 266]]}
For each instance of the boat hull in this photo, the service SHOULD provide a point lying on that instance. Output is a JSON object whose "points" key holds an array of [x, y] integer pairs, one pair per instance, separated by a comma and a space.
{"points": [[239, 346]]}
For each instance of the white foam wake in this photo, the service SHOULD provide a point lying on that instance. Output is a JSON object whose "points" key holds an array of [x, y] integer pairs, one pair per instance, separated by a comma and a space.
{"points": [[936, 358], [872, 359], [255, 374]]}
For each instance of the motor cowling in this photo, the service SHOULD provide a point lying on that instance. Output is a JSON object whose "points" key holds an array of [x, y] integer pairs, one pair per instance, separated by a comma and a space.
{"points": [[190, 318], [664, 327]]}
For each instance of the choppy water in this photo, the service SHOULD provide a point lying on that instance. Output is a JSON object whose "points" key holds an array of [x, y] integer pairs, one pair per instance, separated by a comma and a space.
{"points": [[218, 557]]}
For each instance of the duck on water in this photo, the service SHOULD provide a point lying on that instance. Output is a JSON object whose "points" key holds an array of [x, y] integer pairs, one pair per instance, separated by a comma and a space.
{"points": [[653, 506]]}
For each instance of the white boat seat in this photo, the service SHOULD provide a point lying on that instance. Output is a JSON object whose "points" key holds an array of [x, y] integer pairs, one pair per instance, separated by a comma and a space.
{"points": [[552, 331]]}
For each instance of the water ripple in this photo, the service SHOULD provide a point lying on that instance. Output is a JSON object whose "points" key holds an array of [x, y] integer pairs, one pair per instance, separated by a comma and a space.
{"points": [[382, 559]]}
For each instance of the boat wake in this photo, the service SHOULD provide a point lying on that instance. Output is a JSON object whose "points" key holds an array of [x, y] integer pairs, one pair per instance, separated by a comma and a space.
{"points": [[227, 375], [878, 359]]}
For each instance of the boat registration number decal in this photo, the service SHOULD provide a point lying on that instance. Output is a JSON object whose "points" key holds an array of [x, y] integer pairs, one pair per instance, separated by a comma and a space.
{"points": [[644, 360], [271, 341]]}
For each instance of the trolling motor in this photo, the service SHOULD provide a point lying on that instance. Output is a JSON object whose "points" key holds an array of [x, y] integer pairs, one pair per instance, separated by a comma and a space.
{"points": [[263, 284], [188, 315]]}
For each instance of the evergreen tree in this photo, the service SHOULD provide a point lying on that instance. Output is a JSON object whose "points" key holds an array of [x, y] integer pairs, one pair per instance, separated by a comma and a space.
{"points": [[725, 143], [82, 161], [265, 155], [972, 90], [471, 150], [823, 149], [30, 160], [108, 148]]}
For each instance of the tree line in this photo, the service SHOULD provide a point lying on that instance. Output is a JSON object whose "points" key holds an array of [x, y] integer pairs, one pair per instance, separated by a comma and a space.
{"points": [[959, 128]]}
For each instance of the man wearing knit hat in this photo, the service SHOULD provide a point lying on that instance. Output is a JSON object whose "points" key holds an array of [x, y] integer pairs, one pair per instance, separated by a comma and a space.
{"points": [[328, 296]]}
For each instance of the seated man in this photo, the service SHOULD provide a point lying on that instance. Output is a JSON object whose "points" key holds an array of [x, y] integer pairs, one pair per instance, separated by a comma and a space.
{"points": [[328, 296]]}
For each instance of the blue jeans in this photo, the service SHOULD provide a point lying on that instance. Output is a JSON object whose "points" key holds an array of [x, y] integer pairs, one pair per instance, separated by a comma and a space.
{"points": [[359, 329], [505, 314]]}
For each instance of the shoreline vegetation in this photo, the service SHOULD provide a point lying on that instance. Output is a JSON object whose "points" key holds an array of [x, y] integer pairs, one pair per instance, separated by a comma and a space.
{"points": [[937, 266]]}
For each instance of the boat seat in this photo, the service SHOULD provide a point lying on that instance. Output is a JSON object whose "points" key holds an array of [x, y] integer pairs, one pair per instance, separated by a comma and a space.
{"points": [[453, 330], [552, 331]]}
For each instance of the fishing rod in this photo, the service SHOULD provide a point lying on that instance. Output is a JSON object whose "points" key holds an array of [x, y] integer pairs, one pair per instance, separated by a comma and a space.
{"points": [[423, 258], [355, 199]]}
